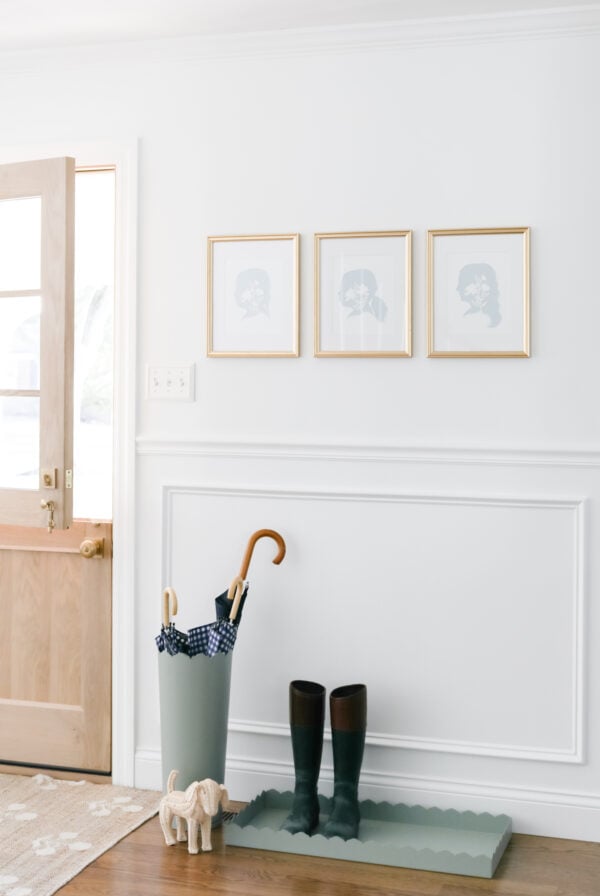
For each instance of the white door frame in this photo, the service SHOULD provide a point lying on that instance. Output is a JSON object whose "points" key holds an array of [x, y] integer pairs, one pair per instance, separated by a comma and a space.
{"points": [[123, 154]]}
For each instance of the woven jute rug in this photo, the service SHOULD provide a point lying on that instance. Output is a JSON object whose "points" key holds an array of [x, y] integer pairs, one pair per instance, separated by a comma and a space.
{"points": [[51, 829]]}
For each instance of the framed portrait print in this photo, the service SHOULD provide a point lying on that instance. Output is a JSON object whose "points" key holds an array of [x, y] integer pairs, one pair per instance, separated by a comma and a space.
{"points": [[363, 294], [253, 296], [478, 293]]}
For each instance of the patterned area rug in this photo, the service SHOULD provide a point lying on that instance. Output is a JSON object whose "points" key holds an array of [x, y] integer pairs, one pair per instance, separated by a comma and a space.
{"points": [[51, 829]]}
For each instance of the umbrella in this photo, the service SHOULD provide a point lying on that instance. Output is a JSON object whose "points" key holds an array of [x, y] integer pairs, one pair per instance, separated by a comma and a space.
{"points": [[170, 638], [219, 637], [215, 637], [223, 601]]}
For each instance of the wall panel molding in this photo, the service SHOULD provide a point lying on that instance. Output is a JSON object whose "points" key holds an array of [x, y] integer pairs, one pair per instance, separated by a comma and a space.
{"points": [[574, 753], [423, 744]]}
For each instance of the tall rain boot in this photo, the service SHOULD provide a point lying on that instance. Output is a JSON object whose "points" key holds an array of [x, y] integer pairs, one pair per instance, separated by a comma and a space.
{"points": [[348, 710], [307, 717]]}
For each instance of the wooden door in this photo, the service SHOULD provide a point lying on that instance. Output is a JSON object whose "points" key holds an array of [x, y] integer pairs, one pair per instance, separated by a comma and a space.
{"points": [[55, 637]]}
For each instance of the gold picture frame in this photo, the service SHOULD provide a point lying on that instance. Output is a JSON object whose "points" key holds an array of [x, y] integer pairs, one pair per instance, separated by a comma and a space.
{"points": [[253, 294], [478, 293], [363, 294]]}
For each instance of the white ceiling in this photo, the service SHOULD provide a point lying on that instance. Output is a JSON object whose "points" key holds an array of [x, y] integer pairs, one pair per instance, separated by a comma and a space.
{"points": [[29, 24]]}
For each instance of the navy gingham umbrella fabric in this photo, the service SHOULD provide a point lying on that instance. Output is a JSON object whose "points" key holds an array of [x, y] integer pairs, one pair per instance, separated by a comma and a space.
{"points": [[172, 640], [206, 640], [210, 639], [216, 637]]}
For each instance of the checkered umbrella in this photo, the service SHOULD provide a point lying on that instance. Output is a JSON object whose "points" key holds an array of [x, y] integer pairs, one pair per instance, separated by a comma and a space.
{"points": [[215, 637], [170, 638], [219, 636], [223, 601]]}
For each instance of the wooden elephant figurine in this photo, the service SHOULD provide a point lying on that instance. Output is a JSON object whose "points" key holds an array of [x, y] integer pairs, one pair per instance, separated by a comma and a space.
{"points": [[197, 805]]}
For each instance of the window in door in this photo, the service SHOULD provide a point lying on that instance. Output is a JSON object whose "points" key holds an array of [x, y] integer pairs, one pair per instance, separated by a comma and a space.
{"points": [[20, 286]]}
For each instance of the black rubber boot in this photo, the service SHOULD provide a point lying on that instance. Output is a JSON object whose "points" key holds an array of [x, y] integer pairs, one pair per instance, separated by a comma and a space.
{"points": [[348, 708], [307, 717]]}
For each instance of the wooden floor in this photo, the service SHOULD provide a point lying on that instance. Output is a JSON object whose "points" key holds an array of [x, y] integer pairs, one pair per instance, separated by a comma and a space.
{"points": [[141, 865]]}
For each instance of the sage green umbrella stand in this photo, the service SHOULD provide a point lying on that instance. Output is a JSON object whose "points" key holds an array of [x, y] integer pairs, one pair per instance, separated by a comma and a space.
{"points": [[194, 712], [194, 696]]}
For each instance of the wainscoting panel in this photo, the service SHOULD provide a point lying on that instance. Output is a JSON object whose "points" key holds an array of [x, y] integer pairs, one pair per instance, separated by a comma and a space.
{"points": [[458, 584], [461, 614]]}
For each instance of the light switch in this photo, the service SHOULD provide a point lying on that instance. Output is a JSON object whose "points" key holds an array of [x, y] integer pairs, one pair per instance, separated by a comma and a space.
{"points": [[170, 381]]}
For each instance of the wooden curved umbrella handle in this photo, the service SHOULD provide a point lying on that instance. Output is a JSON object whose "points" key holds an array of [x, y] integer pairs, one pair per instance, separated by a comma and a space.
{"points": [[236, 588], [262, 533], [169, 605]]}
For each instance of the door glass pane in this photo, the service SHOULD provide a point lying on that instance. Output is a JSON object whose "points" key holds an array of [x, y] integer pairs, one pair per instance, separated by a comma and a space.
{"points": [[20, 342], [94, 297], [19, 442], [20, 243]]}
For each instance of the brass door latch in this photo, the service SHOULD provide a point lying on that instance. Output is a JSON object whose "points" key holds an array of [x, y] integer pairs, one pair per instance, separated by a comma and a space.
{"points": [[49, 506]]}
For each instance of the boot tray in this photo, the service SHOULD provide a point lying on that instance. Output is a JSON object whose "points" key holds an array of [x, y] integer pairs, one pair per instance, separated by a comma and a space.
{"points": [[404, 836]]}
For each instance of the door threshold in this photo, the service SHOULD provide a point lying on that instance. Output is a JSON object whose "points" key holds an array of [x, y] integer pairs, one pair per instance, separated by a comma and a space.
{"points": [[64, 774]]}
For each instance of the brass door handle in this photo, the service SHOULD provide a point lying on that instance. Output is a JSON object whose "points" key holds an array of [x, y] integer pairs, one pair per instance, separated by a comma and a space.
{"points": [[91, 547]]}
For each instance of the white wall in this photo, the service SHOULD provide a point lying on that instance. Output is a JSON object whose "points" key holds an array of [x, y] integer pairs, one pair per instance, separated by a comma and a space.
{"points": [[439, 513]]}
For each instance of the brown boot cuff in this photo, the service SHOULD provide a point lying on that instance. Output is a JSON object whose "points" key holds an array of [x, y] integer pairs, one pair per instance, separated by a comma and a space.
{"points": [[348, 707]]}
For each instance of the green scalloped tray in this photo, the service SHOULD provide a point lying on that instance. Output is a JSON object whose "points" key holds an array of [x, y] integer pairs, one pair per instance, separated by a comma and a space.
{"points": [[400, 835]]}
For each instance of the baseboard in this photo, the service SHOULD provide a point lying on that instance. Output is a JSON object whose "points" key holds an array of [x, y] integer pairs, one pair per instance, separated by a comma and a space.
{"points": [[16, 768], [574, 816]]}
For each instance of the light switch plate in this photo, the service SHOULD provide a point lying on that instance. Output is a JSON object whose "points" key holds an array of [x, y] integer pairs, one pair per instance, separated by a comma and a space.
{"points": [[175, 382]]}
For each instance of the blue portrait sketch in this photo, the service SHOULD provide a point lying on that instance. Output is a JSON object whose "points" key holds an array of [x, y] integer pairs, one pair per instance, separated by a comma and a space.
{"points": [[253, 292], [478, 288], [359, 293]]}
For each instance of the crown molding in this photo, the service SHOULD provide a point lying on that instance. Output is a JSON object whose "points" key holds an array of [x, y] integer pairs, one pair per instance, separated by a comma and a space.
{"points": [[568, 21]]}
